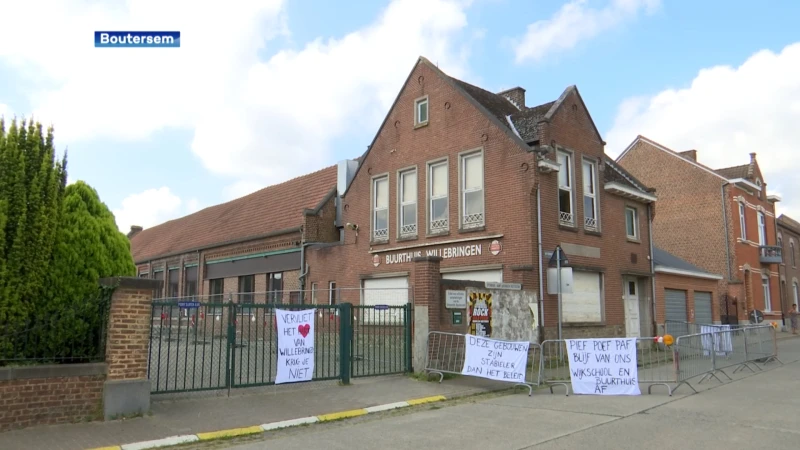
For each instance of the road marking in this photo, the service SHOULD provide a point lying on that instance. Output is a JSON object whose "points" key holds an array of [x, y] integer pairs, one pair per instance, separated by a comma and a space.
{"points": [[386, 407], [289, 423], [229, 433], [166, 442], [342, 415], [420, 401]]}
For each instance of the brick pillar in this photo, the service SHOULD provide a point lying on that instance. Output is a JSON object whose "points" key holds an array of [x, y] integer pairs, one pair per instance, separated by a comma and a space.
{"points": [[427, 286], [127, 389]]}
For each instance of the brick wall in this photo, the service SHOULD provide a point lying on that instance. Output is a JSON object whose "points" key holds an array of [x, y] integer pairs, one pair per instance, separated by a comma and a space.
{"points": [[129, 334], [789, 270], [689, 284], [45, 395]]}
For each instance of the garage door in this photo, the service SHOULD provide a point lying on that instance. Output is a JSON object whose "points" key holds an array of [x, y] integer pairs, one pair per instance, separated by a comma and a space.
{"points": [[584, 304], [384, 291], [702, 308], [476, 275], [675, 305]]}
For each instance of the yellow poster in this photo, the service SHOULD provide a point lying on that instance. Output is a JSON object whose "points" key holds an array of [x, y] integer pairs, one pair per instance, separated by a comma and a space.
{"points": [[480, 314]]}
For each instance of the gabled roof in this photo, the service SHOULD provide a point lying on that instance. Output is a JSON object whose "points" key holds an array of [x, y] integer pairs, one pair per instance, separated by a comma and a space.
{"points": [[272, 210], [787, 222], [666, 262], [668, 151], [735, 172], [619, 175]]}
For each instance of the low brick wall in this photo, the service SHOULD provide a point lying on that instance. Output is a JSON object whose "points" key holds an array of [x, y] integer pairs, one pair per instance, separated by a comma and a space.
{"points": [[43, 395]]}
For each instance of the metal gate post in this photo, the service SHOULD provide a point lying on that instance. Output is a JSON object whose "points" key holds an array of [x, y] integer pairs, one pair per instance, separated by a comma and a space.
{"points": [[231, 341], [345, 340], [407, 336]]}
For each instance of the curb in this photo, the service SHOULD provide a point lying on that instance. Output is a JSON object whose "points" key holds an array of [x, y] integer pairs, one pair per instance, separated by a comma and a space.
{"points": [[208, 436]]}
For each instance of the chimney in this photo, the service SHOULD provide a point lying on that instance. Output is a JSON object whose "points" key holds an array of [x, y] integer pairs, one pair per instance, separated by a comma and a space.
{"points": [[691, 154], [135, 229], [516, 96], [752, 158]]}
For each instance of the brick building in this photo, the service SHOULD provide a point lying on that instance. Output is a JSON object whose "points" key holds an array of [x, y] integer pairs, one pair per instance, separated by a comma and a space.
{"points": [[250, 246], [490, 186], [789, 241], [477, 178], [721, 221]]}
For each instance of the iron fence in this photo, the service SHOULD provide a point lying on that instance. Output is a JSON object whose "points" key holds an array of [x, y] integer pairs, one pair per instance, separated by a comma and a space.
{"points": [[72, 334], [200, 344]]}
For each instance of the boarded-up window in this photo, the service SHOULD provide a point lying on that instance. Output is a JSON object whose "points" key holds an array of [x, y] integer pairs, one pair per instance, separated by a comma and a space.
{"points": [[585, 303]]}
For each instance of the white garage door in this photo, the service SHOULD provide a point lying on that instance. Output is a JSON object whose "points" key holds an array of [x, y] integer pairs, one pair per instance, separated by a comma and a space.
{"points": [[392, 292], [476, 275], [585, 302]]}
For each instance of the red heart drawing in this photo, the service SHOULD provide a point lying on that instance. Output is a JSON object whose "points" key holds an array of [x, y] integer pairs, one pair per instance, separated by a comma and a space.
{"points": [[304, 329]]}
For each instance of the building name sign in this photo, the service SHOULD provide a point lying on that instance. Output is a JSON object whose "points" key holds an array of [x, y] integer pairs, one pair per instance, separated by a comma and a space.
{"points": [[445, 252]]}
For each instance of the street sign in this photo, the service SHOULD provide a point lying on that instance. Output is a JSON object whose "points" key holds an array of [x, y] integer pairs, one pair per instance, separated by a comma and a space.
{"points": [[509, 286], [188, 305], [561, 255], [381, 307]]}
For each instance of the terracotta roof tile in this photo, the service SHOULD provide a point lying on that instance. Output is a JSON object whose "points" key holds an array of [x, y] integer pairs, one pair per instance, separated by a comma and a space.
{"points": [[271, 209]]}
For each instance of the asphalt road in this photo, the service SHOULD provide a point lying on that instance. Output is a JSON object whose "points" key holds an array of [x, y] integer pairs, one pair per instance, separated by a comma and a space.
{"points": [[759, 410]]}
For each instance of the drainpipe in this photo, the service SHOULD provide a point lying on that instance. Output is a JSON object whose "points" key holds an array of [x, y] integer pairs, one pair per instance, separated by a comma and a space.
{"points": [[652, 266], [539, 240]]}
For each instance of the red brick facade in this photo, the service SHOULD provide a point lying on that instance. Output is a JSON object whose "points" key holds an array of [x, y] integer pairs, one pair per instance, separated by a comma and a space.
{"points": [[789, 241], [690, 285], [26, 402], [699, 221]]}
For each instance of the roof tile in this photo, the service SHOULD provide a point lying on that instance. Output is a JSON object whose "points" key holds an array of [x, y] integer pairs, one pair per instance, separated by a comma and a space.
{"points": [[271, 209]]}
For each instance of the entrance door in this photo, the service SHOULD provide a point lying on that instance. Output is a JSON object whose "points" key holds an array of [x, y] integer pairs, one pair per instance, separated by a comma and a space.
{"points": [[632, 325]]}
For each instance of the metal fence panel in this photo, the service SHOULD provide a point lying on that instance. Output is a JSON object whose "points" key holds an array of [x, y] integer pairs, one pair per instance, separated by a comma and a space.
{"points": [[381, 340]]}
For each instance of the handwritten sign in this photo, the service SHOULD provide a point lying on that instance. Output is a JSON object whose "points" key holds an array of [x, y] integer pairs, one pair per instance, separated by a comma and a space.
{"points": [[495, 360], [295, 345], [603, 366]]}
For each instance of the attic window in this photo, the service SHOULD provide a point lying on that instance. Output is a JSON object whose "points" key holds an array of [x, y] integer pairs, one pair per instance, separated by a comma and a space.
{"points": [[421, 111]]}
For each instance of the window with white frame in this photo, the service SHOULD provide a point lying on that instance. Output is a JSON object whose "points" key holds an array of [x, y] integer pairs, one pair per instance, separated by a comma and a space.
{"points": [[565, 210], [762, 229], [408, 202], [438, 199], [380, 208], [767, 298], [791, 250], [421, 111], [742, 222], [796, 292], [472, 204], [332, 293], [590, 195], [632, 222], [313, 293]]}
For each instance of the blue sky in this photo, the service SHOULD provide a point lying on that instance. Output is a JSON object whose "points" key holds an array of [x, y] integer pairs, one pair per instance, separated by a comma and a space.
{"points": [[278, 88]]}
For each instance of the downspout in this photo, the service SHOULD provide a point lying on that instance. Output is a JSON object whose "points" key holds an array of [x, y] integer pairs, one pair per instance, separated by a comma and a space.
{"points": [[727, 235], [652, 265], [539, 240]]}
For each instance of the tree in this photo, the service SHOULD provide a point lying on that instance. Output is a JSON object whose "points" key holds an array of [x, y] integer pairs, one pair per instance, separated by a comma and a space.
{"points": [[88, 246]]}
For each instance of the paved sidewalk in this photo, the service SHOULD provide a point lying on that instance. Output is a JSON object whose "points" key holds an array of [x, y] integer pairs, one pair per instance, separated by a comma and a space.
{"points": [[204, 413]]}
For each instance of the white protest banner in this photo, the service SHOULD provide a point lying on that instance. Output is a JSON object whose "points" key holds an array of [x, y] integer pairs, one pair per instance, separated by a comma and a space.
{"points": [[603, 366], [496, 360], [295, 345]]}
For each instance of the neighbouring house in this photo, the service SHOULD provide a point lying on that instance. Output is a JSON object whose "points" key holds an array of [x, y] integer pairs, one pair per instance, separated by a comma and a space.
{"points": [[722, 221], [684, 292], [789, 242]]}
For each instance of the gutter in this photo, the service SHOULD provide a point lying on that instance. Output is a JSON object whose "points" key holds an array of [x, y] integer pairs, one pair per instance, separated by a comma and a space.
{"points": [[224, 243]]}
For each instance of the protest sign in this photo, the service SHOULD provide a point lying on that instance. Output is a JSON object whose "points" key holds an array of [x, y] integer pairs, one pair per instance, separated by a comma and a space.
{"points": [[603, 366], [295, 345], [496, 360]]}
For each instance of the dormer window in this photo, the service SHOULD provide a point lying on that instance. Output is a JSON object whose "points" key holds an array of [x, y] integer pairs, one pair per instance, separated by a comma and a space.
{"points": [[421, 111]]}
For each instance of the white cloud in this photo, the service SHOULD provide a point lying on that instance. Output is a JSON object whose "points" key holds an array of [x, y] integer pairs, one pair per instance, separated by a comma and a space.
{"points": [[255, 120], [150, 208], [725, 114], [576, 22]]}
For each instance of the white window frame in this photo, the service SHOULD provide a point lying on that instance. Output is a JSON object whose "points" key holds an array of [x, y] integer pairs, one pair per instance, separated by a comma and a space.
{"points": [[332, 293], [313, 293], [742, 221], [635, 216], [473, 220], [590, 223], [762, 228], [567, 218], [791, 250], [379, 234], [405, 229], [417, 104], [767, 297], [796, 289], [441, 225]]}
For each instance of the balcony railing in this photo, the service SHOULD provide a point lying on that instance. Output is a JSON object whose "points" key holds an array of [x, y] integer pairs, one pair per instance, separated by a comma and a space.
{"points": [[770, 254]]}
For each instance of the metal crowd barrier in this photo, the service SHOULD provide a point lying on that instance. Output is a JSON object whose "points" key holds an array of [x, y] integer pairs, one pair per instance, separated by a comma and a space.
{"points": [[446, 353], [706, 353]]}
